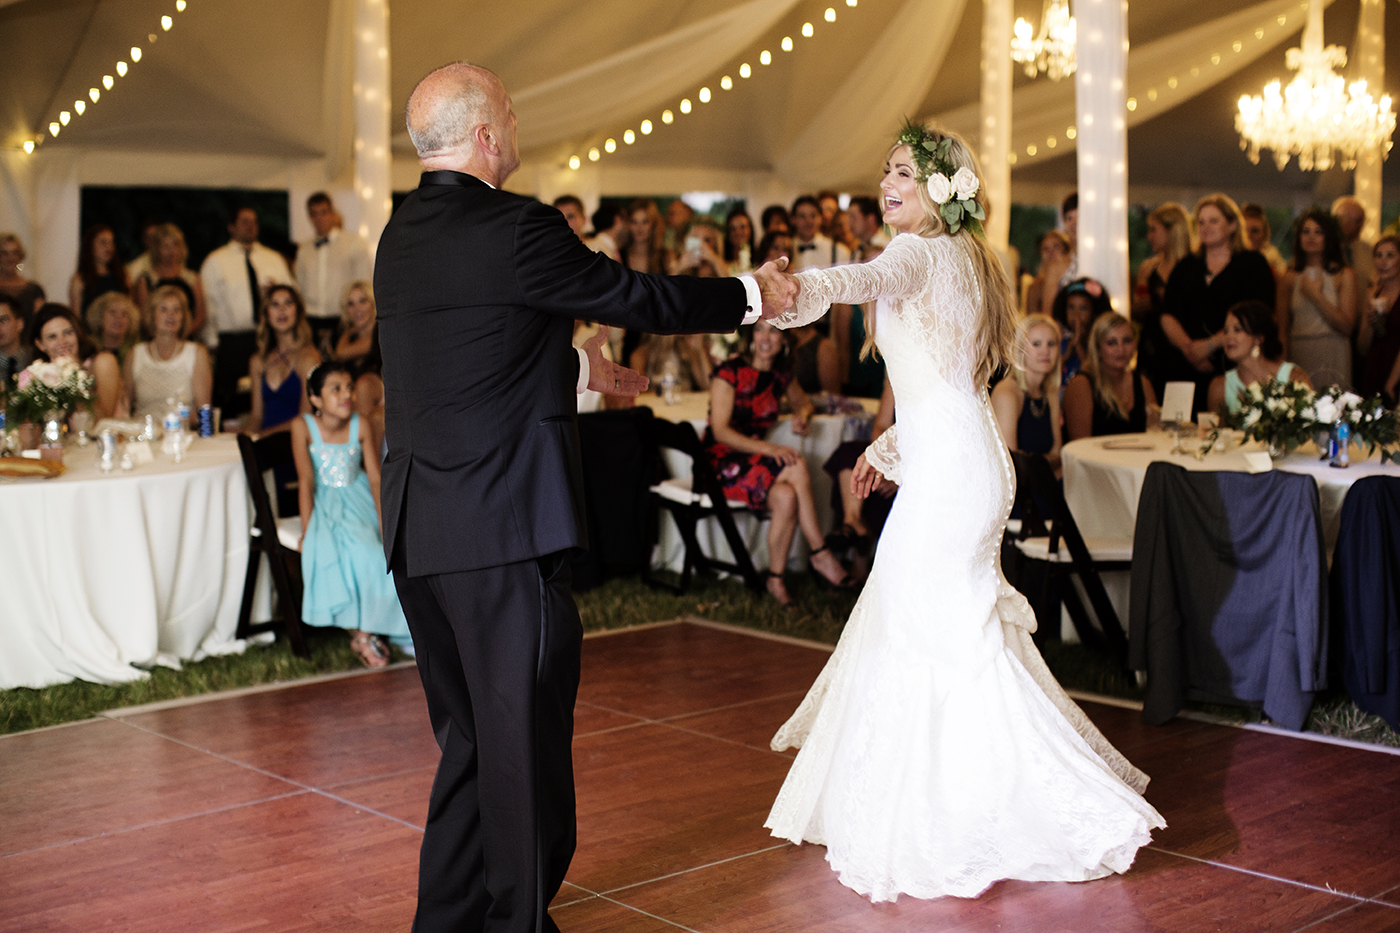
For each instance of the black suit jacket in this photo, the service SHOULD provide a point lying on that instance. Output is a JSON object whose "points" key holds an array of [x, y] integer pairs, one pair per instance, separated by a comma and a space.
{"points": [[477, 291]]}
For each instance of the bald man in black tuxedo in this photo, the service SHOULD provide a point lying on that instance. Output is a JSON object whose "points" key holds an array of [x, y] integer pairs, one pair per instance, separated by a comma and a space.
{"points": [[477, 290]]}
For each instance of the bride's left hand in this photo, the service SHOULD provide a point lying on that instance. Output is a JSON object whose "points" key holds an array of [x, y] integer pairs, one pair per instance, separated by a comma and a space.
{"points": [[864, 477]]}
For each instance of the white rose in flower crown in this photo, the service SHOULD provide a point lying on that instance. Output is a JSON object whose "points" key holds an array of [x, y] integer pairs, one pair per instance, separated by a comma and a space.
{"points": [[1326, 409], [940, 189], [965, 183]]}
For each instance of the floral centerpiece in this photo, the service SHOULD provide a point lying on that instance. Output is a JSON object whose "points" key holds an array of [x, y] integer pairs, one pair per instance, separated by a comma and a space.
{"points": [[1374, 426], [44, 389], [1281, 415]]}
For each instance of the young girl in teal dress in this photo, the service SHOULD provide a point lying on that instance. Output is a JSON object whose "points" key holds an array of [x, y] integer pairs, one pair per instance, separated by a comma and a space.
{"points": [[342, 554]]}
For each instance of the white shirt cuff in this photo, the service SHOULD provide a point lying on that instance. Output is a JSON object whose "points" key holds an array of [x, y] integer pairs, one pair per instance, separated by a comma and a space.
{"points": [[583, 371], [755, 299]]}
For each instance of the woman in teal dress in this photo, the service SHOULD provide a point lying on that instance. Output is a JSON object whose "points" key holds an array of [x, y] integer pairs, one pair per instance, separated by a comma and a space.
{"points": [[342, 553], [1251, 341]]}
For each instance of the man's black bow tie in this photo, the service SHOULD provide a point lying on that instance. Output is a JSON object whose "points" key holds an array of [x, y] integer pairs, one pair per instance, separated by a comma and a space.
{"points": [[803, 247], [322, 241]]}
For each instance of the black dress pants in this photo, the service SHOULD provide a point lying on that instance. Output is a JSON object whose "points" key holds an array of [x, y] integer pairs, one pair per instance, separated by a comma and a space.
{"points": [[498, 651]]}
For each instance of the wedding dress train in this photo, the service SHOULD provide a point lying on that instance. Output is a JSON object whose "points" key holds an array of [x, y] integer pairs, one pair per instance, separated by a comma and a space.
{"points": [[938, 754]]}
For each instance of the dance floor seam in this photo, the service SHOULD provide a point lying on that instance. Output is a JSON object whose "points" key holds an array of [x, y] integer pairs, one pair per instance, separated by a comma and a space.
{"points": [[301, 809]]}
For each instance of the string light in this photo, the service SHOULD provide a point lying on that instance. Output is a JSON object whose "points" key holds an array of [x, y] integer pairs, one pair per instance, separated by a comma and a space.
{"points": [[726, 83], [704, 95], [574, 162], [685, 105], [745, 70], [166, 22], [787, 43], [830, 15], [646, 127], [629, 137]]}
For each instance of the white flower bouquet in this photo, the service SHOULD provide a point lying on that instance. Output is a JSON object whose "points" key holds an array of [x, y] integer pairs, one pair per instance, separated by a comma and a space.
{"points": [[47, 387], [1279, 414]]}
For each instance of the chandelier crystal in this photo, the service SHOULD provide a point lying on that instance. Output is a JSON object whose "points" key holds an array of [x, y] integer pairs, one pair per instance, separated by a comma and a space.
{"points": [[1053, 50], [1317, 117]]}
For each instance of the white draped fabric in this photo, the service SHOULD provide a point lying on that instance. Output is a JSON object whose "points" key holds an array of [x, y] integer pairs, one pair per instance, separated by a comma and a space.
{"points": [[103, 573], [995, 147], [372, 156], [1102, 150]]}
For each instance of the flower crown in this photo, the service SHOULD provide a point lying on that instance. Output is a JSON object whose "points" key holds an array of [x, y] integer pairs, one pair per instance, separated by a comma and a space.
{"points": [[953, 190]]}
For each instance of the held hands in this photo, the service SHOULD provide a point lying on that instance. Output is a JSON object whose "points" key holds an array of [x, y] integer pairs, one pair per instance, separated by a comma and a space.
{"points": [[779, 289], [608, 377], [865, 478]]}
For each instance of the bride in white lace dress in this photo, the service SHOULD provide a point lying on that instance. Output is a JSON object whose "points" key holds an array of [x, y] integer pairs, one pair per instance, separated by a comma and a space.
{"points": [[938, 754]]}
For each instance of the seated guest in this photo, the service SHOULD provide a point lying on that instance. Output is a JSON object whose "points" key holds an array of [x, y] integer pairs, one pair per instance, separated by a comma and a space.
{"points": [[166, 266], [738, 241], [56, 334], [1076, 307], [745, 395], [30, 295], [861, 519], [283, 360], [114, 323], [1317, 301], [357, 324], [1108, 396], [14, 354], [168, 365], [682, 355], [775, 219], [1053, 247], [815, 363], [1027, 402], [1250, 341], [1378, 339], [100, 269]]}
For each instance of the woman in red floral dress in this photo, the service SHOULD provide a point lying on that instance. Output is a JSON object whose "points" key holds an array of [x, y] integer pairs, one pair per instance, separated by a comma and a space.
{"points": [[745, 395]]}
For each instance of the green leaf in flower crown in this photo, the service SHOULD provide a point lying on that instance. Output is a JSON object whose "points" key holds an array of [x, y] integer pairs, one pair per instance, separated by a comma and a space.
{"points": [[930, 145], [945, 147], [975, 209]]}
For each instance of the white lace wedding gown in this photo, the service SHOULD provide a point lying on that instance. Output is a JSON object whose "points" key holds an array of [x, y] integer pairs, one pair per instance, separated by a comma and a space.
{"points": [[938, 754]]}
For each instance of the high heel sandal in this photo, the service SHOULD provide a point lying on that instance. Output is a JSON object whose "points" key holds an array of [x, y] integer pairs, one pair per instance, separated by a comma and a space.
{"points": [[844, 582], [860, 542], [783, 598], [372, 650]]}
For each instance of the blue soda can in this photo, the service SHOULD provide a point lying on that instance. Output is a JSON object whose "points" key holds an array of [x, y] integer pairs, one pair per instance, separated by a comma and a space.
{"points": [[206, 421]]}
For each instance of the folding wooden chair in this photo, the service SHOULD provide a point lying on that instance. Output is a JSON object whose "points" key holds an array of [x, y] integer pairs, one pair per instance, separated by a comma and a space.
{"points": [[278, 539]]}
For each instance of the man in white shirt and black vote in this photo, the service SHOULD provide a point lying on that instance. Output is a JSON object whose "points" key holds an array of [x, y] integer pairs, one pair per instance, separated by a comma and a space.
{"points": [[235, 277], [811, 249], [326, 265]]}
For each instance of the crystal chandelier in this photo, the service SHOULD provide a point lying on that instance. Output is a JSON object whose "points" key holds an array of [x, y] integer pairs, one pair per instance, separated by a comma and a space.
{"points": [[1053, 50], [1317, 113]]}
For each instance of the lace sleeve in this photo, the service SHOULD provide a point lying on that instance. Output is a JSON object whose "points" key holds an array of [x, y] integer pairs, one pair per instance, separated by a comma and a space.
{"points": [[902, 269], [883, 455]]}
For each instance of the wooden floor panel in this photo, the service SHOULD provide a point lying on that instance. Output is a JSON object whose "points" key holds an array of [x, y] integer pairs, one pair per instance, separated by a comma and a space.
{"points": [[165, 819]]}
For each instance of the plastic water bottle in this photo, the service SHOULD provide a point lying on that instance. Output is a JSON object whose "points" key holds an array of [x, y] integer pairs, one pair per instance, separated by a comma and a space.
{"points": [[174, 426], [1342, 456]]}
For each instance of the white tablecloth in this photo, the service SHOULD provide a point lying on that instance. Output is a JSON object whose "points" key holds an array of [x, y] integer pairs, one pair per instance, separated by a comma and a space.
{"points": [[101, 573], [825, 434]]}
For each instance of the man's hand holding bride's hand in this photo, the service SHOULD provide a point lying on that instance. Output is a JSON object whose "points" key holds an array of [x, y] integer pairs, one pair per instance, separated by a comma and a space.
{"points": [[864, 478], [779, 289], [608, 377]]}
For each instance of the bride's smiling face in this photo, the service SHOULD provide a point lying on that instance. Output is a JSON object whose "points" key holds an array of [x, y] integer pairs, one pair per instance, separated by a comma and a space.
{"points": [[899, 193]]}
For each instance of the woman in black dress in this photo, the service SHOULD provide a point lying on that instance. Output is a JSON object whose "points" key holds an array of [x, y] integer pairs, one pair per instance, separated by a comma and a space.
{"points": [[1108, 396], [1169, 235], [100, 269]]}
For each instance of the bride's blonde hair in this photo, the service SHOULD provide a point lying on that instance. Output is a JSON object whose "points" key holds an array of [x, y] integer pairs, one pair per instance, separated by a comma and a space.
{"points": [[997, 335]]}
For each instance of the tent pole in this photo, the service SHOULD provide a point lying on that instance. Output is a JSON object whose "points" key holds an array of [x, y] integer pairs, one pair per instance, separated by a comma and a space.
{"points": [[373, 187], [996, 118], [1102, 138], [1370, 52]]}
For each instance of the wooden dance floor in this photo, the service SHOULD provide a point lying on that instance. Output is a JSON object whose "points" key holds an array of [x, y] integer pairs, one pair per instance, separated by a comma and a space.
{"points": [[298, 808]]}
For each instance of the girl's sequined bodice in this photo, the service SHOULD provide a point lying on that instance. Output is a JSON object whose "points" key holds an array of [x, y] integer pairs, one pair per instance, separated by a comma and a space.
{"points": [[336, 464]]}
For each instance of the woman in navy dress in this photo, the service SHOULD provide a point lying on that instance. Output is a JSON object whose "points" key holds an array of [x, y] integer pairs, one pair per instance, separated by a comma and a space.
{"points": [[285, 357]]}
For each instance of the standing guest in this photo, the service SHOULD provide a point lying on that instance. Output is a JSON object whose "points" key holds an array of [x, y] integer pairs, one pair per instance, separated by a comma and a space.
{"points": [[1027, 402], [1108, 397], [168, 365], [1317, 302], [815, 250], [114, 323], [609, 232], [703, 251], [775, 218], [342, 550], [1169, 236], [738, 241], [1351, 220], [166, 266], [284, 359], [478, 290], [774, 246], [236, 276], [816, 364], [30, 295], [142, 264], [14, 354], [1053, 249], [1202, 287], [574, 215], [1076, 307], [678, 217], [356, 326], [1378, 339], [1258, 236], [1060, 268], [830, 204], [861, 377], [1252, 343], [326, 264], [746, 394], [100, 269], [56, 334], [645, 253]]}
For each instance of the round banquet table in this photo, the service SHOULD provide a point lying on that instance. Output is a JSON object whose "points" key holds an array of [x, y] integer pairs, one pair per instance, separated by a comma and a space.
{"points": [[825, 433], [1102, 484], [104, 574]]}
